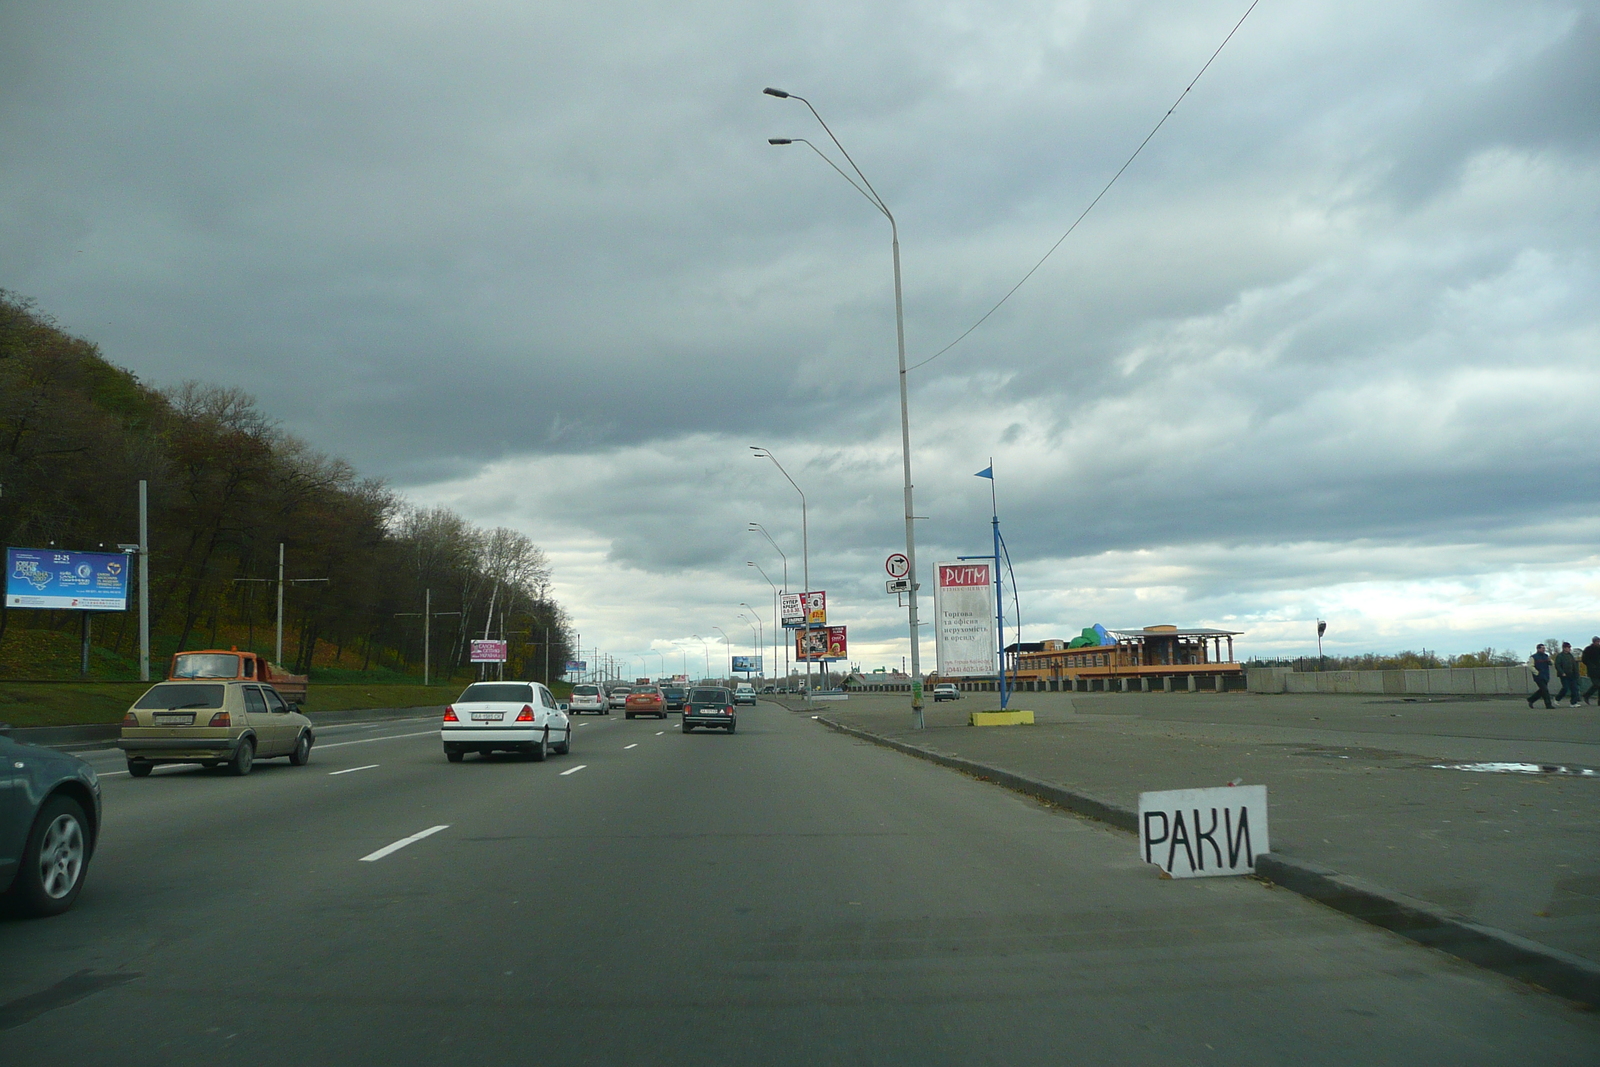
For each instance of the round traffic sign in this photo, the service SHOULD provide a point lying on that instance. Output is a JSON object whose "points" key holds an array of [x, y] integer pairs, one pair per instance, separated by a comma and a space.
{"points": [[897, 565]]}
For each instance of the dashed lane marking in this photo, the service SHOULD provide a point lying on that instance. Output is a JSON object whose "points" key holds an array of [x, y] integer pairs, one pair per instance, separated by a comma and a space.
{"points": [[369, 740], [574, 770], [373, 857], [348, 770], [626, 747]]}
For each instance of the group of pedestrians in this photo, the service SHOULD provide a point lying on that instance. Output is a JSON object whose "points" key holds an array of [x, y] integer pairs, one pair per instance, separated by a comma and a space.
{"points": [[1572, 669]]}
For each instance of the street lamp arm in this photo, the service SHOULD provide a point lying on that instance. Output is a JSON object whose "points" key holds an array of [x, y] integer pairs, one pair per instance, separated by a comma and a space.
{"points": [[873, 195]]}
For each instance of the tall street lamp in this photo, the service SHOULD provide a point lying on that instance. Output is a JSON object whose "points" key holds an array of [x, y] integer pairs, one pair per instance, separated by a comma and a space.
{"points": [[900, 338], [760, 629], [805, 556], [727, 649], [706, 650], [776, 630], [756, 527]]}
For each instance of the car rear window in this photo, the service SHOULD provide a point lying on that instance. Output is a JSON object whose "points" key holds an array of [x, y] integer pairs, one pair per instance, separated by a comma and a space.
{"points": [[497, 693], [215, 665], [168, 697], [713, 696], [648, 690], [585, 690], [673, 694]]}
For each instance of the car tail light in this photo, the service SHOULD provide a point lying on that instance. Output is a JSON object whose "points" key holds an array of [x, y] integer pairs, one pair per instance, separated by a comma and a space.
{"points": [[526, 714], [450, 714], [730, 709], [130, 719], [221, 718]]}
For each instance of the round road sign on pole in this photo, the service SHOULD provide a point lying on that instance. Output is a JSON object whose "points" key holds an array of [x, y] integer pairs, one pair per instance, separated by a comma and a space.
{"points": [[897, 565]]}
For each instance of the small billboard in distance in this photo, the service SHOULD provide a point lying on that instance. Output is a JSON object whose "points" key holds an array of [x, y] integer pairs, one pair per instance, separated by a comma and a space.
{"points": [[747, 664], [488, 651]]}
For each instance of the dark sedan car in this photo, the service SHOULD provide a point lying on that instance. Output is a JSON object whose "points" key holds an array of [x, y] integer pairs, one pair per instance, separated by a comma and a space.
{"points": [[49, 818], [710, 706], [676, 696]]}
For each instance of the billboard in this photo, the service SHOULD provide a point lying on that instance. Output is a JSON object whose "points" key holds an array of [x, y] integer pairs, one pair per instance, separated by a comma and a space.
{"points": [[801, 609], [576, 666], [488, 652], [79, 581], [747, 664], [963, 609], [826, 642]]}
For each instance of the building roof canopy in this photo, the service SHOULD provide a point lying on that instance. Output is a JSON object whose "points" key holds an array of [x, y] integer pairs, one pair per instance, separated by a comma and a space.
{"points": [[1169, 631]]}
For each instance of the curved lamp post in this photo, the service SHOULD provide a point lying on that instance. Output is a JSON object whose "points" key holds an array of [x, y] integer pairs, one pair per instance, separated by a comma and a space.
{"points": [[805, 553], [775, 629], [866, 190]]}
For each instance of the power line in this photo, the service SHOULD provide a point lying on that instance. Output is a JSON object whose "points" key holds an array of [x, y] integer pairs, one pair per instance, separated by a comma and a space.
{"points": [[1097, 199]]}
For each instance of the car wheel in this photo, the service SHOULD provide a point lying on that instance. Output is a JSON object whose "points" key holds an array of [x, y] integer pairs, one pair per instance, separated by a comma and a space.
{"points": [[687, 728], [540, 748], [629, 714], [209, 764], [140, 768], [565, 747], [244, 757], [54, 861], [454, 757], [732, 726], [302, 751]]}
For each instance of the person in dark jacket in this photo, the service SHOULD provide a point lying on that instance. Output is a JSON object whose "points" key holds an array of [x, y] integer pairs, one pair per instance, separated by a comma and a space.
{"points": [[1539, 664], [1591, 664], [1567, 671]]}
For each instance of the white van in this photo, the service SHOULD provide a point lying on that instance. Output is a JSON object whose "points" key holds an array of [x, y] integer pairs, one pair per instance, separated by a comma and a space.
{"points": [[588, 698]]}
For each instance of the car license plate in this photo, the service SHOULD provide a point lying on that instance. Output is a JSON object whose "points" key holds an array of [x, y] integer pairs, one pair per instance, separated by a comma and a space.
{"points": [[174, 718], [488, 716]]}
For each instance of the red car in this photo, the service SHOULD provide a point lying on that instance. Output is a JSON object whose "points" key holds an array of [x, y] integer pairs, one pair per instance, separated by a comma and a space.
{"points": [[646, 700]]}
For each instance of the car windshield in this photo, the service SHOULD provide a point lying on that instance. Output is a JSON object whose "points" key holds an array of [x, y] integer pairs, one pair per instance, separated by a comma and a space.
{"points": [[171, 697], [673, 694], [497, 693], [585, 690], [206, 665], [709, 696], [646, 690]]}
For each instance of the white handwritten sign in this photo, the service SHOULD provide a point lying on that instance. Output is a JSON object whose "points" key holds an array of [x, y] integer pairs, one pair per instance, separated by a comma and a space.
{"points": [[1200, 833]]}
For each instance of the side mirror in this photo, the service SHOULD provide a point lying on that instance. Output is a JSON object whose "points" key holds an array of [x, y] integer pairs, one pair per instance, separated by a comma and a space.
{"points": [[563, 706]]}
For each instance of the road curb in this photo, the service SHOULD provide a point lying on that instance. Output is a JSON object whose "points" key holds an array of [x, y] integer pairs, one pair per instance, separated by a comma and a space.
{"points": [[1550, 969]]}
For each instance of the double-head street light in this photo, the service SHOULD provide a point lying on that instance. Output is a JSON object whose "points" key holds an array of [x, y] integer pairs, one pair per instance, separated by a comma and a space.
{"points": [[706, 650], [805, 555], [776, 630], [759, 629], [727, 651], [865, 189]]}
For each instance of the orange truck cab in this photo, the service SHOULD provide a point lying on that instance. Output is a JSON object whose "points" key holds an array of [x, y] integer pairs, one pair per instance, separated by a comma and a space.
{"points": [[241, 666]]}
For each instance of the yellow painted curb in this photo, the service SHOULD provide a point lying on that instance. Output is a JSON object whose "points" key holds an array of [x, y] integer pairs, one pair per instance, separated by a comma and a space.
{"points": [[1000, 718]]}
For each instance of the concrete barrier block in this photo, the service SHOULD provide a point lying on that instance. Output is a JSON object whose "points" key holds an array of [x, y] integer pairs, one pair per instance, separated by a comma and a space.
{"points": [[1000, 718]]}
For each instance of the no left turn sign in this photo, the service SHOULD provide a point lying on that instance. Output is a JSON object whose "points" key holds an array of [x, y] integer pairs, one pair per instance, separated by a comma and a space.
{"points": [[897, 565]]}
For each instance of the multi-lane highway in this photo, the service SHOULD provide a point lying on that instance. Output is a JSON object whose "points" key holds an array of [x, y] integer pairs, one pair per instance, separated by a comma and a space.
{"points": [[785, 895]]}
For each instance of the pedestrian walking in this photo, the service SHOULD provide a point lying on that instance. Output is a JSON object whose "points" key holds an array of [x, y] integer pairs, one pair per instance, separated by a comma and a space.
{"points": [[1539, 664], [1567, 671], [1591, 664]]}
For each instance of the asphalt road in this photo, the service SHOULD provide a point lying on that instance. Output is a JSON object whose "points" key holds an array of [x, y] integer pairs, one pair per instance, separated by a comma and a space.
{"points": [[784, 895]]}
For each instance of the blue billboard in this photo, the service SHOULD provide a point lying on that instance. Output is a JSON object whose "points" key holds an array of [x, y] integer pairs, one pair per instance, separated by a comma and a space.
{"points": [[77, 581], [747, 664]]}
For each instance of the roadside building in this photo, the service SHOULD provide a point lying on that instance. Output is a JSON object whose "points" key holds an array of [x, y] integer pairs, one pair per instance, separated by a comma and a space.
{"points": [[1153, 657]]}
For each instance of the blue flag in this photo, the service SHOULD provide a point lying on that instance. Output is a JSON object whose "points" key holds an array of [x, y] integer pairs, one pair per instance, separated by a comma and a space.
{"points": [[987, 472]]}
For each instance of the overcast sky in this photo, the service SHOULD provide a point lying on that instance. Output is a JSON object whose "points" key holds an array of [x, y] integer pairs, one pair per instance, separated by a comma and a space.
{"points": [[1330, 347]]}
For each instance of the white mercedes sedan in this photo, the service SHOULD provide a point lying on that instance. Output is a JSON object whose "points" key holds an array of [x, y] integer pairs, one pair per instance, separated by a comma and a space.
{"points": [[507, 717]]}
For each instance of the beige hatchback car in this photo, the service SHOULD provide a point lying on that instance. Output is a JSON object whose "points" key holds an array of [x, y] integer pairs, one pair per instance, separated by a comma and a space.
{"points": [[213, 723]]}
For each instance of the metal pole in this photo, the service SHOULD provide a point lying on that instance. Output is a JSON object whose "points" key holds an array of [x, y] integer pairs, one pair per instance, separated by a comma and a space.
{"points": [[144, 580], [805, 557], [280, 603], [427, 627], [83, 667]]}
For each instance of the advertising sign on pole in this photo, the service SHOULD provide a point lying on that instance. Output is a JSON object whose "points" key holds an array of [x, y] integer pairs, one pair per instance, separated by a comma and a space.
{"points": [[577, 666], [1201, 833], [791, 610], [828, 642], [963, 608], [78, 581], [816, 609], [488, 651], [747, 664]]}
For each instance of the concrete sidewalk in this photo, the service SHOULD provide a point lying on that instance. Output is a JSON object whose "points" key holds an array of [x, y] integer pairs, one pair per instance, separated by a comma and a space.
{"points": [[1360, 785]]}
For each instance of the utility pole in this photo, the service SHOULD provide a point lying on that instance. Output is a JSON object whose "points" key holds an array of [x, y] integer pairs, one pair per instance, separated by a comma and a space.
{"points": [[428, 615], [292, 581], [144, 580]]}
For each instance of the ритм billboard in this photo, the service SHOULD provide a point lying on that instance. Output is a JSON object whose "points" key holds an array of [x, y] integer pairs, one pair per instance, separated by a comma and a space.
{"points": [[963, 609], [77, 581]]}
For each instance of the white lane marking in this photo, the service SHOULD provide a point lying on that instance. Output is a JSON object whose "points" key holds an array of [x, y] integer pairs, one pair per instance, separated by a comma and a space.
{"points": [[402, 843], [574, 770], [347, 770], [660, 732], [626, 747], [369, 740], [583, 724]]}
